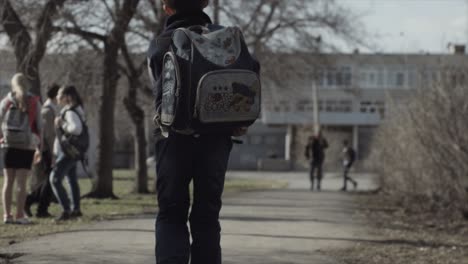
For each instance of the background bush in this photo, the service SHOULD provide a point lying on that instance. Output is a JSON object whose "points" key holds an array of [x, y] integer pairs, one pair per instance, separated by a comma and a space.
{"points": [[421, 151]]}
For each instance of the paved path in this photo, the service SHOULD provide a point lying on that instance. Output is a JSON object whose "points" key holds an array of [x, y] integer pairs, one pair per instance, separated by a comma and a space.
{"points": [[292, 226]]}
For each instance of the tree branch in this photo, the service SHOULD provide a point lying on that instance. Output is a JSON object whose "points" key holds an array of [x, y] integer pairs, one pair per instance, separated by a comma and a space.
{"points": [[44, 28], [82, 33], [15, 29]]}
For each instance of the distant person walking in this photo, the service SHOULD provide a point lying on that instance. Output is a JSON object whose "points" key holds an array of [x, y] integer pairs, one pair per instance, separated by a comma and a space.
{"points": [[349, 156], [71, 122], [21, 128], [41, 191], [315, 153]]}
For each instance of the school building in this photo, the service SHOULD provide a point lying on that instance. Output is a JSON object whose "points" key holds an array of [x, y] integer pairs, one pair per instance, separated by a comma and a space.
{"points": [[354, 93]]}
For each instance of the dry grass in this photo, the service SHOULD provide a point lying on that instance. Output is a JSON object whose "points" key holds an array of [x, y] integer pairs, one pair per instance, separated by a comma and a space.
{"points": [[408, 236]]}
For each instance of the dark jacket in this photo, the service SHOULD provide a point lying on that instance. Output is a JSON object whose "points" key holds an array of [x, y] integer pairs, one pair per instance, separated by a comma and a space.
{"points": [[161, 44], [315, 150]]}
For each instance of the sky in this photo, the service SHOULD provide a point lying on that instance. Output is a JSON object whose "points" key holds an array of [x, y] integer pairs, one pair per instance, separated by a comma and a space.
{"points": [[413, 26]]}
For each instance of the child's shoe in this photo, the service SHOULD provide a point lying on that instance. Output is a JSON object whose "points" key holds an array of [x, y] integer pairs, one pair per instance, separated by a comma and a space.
{"points": [[8, 220], [23, 221]]}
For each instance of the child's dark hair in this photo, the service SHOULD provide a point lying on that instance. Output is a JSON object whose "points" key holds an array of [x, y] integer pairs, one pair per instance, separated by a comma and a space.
{"points": [[185, 5], [71, 91], [52, 90]]}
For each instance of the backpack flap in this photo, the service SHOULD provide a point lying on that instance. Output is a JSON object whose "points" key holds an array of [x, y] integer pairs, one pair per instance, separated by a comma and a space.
{"points": [[228, 96], [229, 89]]}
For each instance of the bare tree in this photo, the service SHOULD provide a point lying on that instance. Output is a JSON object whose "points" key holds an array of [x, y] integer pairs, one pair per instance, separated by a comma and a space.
{"points": [[291, 26], [89, 23], [148, 23], [29, 40], [278, 30]]}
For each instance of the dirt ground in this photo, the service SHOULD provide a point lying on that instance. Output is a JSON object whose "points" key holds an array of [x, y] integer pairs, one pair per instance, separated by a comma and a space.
{"points": [[415, 235]]}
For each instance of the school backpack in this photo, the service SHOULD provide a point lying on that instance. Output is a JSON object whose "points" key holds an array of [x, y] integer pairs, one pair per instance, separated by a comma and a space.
{"points": [[18, 126], [74, 146], [351, 155], [209, 83]]}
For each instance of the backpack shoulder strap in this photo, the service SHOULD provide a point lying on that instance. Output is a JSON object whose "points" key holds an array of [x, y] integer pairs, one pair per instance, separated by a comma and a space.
{"points": [[8, 105], [73, 109], [48, 106]]}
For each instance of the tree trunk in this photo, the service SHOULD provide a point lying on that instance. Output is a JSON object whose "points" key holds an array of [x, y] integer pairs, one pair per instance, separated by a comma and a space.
{"points": [[31, 71], [138, 118], [102, 187], [141, 183]]}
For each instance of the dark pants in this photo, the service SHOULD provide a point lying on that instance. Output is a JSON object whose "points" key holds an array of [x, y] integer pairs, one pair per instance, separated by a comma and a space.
{"points": [[346, 178], [42, 193], [179, 160], [316, 166]]}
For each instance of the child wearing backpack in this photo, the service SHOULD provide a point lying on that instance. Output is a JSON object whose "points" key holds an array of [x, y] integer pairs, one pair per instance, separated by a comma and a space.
{"points": [[71, 122], [21, 126], [349, 156], [187, 149]]}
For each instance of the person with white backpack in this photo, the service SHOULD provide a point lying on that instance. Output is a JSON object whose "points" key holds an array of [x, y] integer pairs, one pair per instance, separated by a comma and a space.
{"points": [[70, 126], [21, 127]]}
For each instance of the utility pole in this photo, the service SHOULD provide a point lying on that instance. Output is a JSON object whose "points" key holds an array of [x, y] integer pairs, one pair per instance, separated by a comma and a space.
{"points": [[315, 92], [315, 101]]}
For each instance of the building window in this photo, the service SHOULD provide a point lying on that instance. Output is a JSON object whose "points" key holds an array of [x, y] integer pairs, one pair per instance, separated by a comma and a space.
{"points": [[339, 79], [271, 140], [331, 77], [391, 79], [284, 105], [371, 77], [380, 77], [335, 77], [255, 140], [320, 78], [345, 106], [400, 79], [348, 79], [304, 105]]}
